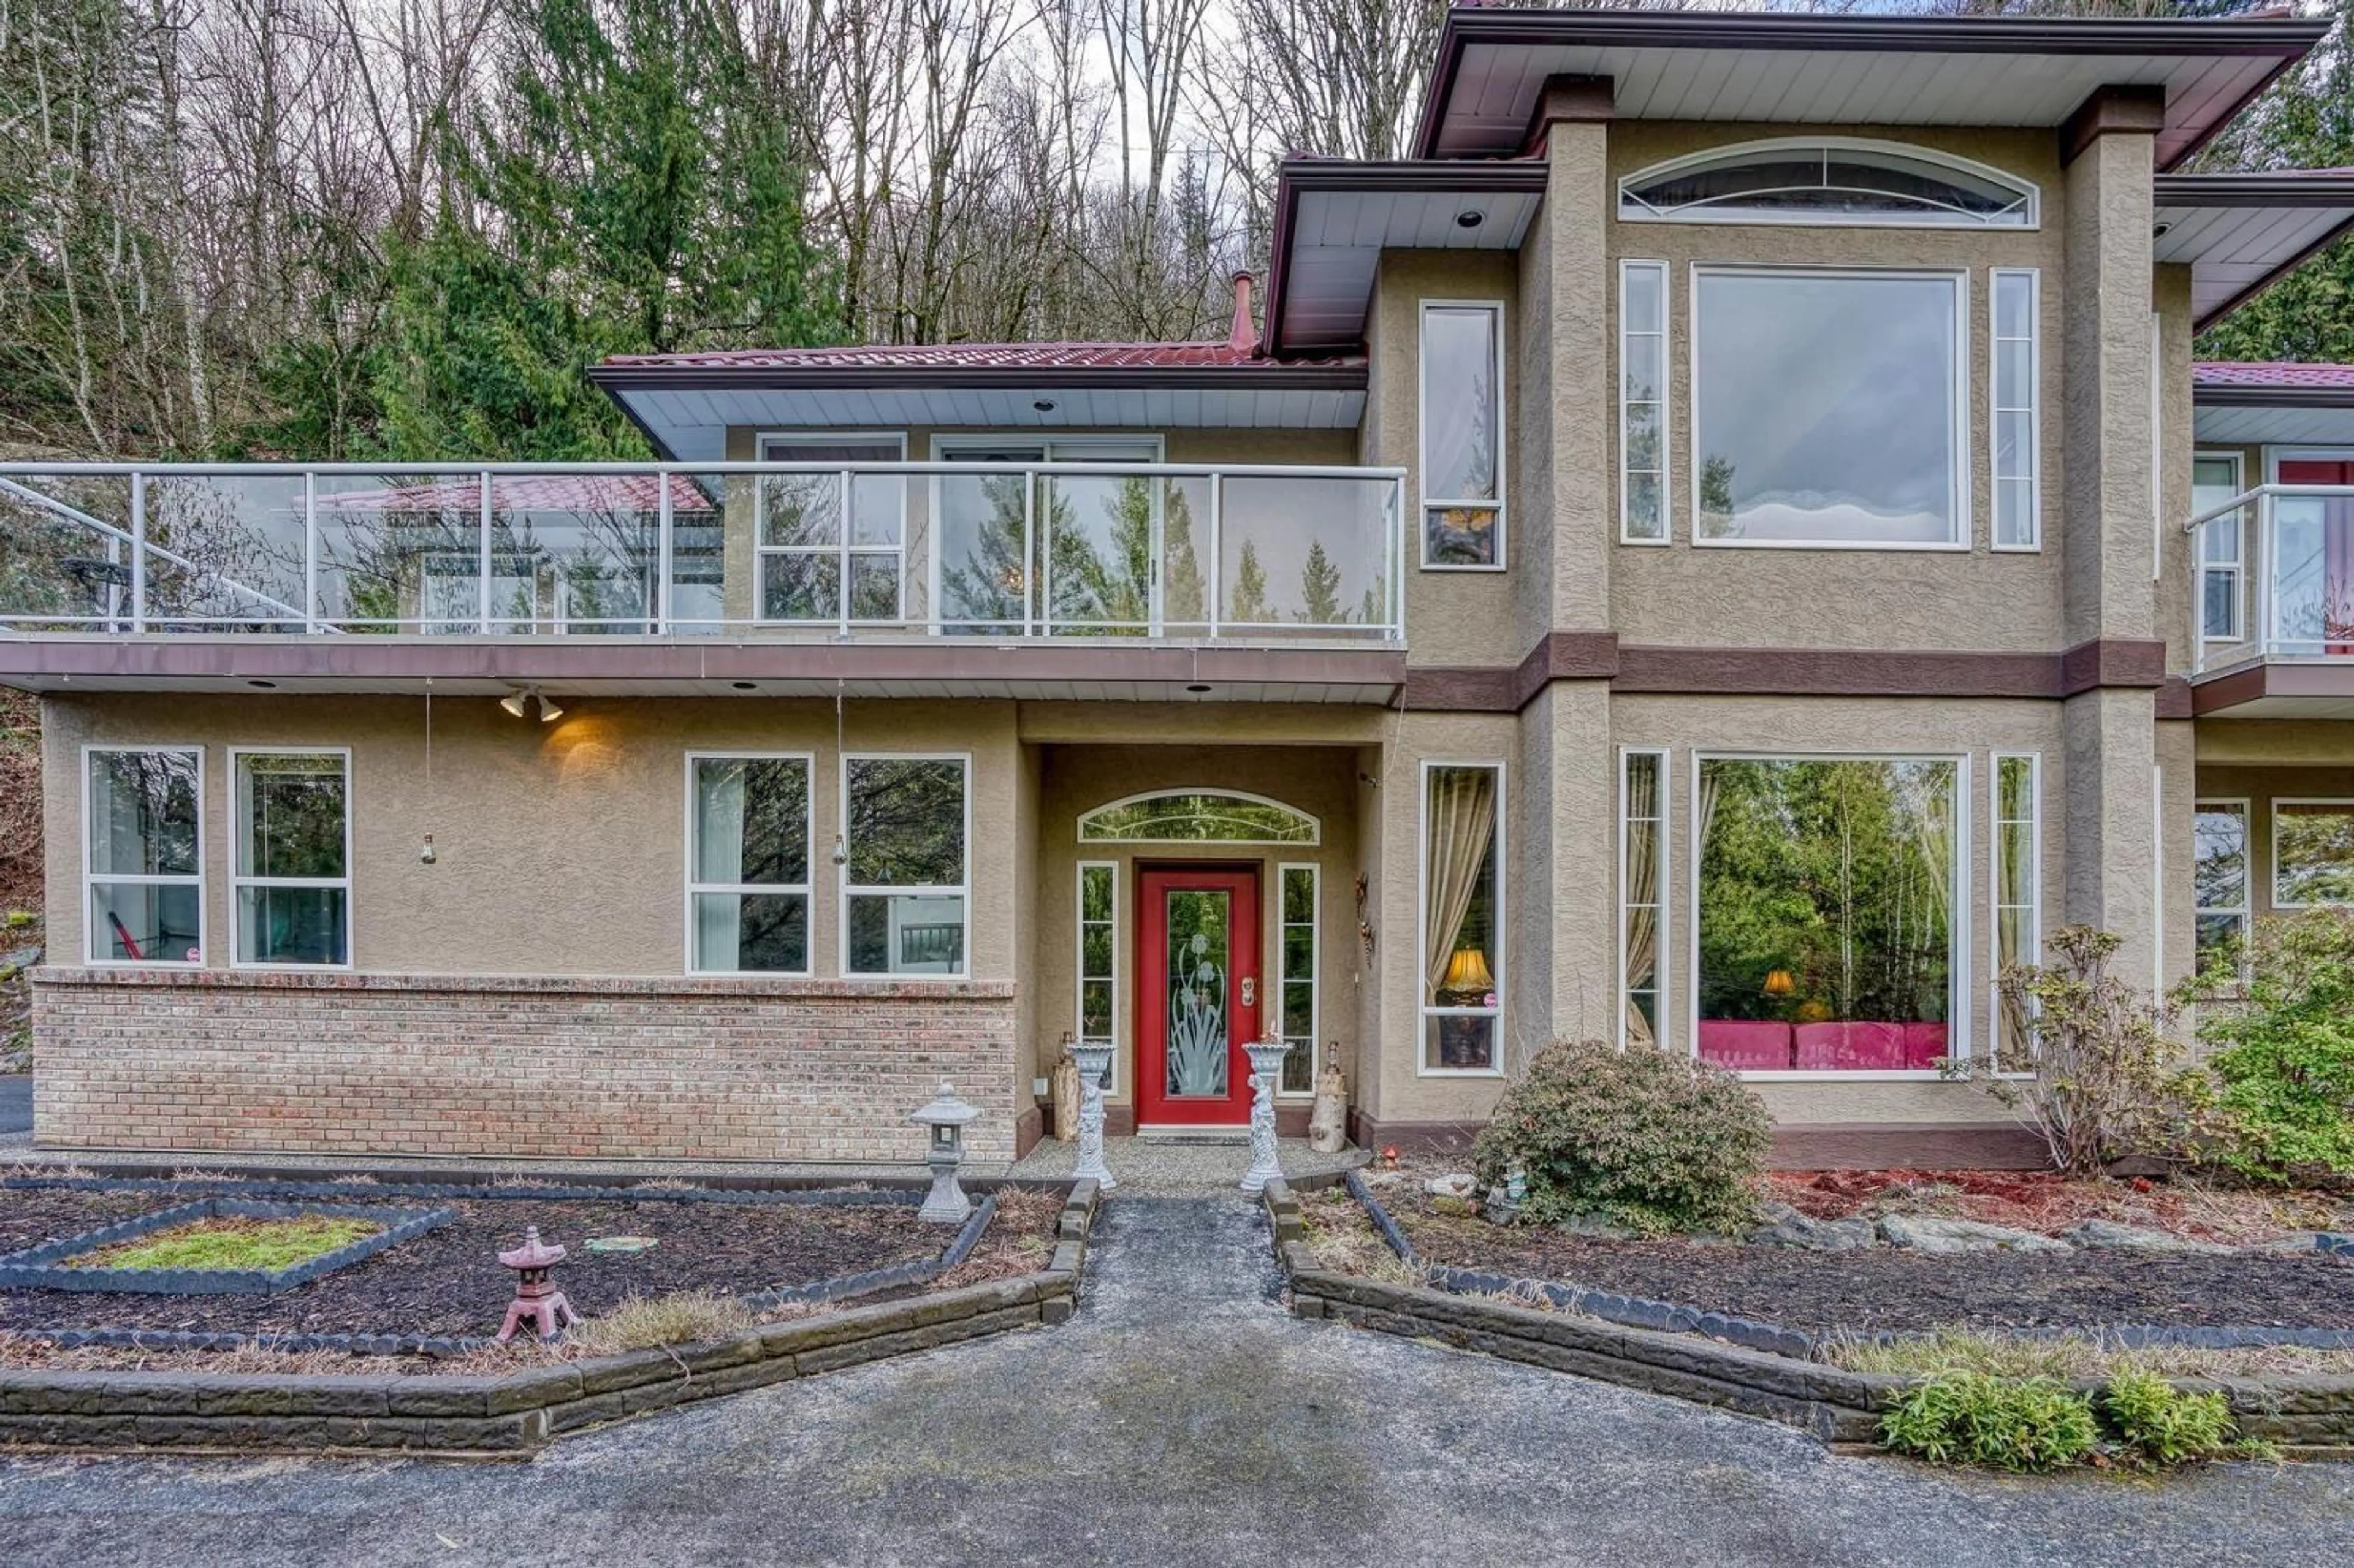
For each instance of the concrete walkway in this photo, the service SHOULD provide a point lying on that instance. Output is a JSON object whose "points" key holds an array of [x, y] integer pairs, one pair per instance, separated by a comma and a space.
{"points": [[1181, 1418]]}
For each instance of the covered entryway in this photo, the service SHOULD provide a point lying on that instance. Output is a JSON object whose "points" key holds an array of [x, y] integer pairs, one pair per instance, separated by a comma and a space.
{"points": [[1198, 993]]}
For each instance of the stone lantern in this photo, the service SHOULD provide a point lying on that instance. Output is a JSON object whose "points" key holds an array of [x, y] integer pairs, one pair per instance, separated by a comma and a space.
{"points": [[946, 1117], [537, 1300], [1266, 1067]]}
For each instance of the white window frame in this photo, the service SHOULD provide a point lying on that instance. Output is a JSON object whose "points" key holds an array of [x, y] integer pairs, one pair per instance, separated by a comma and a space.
{"points": [[841, 549], [2245, 910], [845, 890], [1110, 868], [1314, 980], [1426, 1011], [1422, 443], [1962, 465], [90, 879], [2237, 566], [239, 882], [1960, 978], [2032, 927], [1661, 899], [2272, 845], [2032, 456], [806, 887], [1085, 448], [1633, 209], [1667, 533]]}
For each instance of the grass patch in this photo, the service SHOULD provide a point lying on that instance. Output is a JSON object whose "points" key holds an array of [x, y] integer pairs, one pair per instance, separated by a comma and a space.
{"points": [[2073, 1358], [1342, 1235], [265, 1246], [642, 1322]]}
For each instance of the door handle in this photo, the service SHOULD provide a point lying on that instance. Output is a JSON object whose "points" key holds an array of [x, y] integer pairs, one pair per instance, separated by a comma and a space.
{"points": [[1250, 991]]}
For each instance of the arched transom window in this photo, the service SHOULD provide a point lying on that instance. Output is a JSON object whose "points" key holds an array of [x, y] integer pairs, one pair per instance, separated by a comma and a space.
{"points": [[1815, 180], [1198, 816]]}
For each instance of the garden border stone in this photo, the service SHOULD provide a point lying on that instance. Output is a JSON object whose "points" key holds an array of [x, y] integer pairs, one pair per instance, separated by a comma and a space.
{"points": [[2306, 1416], [514, 1416], [43, 1267]]}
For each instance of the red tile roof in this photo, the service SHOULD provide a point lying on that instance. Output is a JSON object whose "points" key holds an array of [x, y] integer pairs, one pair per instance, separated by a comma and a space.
{"points": [[1045, 358], [2273, 373]]}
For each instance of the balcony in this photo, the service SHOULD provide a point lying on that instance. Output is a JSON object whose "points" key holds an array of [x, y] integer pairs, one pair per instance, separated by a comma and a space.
{"points": [[2273, 603], [797, 564]]}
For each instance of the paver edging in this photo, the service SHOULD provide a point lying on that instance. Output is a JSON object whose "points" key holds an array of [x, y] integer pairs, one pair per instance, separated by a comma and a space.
{"points": [[2306, 1416], [515, 1414], [39, 1267]]}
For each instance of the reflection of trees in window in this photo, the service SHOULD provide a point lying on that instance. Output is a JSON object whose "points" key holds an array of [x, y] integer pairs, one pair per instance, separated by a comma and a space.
{"points": [[905, 823], [1716, 497], [1198, 816], [1840, 873], [1247, 603], [2313, 853]]}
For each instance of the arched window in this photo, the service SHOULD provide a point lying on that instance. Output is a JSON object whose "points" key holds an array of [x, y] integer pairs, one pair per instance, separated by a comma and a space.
{"points": [[1815, 180], [1198, 816]]}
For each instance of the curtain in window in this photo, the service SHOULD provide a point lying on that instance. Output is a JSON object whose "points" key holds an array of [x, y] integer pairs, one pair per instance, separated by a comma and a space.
{"points": [[1462, 824], [720, 859], [1643, 872]]}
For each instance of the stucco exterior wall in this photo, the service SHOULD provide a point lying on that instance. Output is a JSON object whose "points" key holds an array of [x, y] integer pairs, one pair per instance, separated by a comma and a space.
{"points": [[1679, 595]]}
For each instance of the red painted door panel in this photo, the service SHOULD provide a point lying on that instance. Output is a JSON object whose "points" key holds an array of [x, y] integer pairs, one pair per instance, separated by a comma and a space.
{"points": [[1198, 993]]}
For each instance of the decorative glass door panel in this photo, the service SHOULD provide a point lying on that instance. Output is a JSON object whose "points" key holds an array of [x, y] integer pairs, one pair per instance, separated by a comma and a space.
{"points": [[1197, 996]]}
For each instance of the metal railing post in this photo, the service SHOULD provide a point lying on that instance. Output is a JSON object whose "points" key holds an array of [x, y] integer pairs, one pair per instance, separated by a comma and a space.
{"points": [[1397, 573], [1217, 548], [139, 550], [842, 555], [2267, 601], [310, 551], [665, 555], [483, 628], [1029, 573]]}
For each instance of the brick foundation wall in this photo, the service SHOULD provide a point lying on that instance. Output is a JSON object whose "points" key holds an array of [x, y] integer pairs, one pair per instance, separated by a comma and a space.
{"points": [[354, 1064]]}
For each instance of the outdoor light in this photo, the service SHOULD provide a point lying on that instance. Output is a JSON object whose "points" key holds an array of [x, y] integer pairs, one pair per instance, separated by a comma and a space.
{"points": [[549, 711], [518, 703], [945, 1117], [513, 701], [1267, 1062], [1470, 218]]}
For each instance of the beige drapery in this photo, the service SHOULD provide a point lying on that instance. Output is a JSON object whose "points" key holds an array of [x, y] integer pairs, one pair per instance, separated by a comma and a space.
{"points": [[1462, 824], [1644, 829]]}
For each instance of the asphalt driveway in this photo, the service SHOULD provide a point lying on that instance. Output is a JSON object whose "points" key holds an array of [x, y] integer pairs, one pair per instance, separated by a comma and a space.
{"points": [[1173, 1421]]}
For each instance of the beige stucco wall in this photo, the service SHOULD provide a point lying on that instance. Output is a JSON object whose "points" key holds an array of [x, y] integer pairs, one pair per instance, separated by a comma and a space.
{"points": [[1319, 780], [559, 849]]}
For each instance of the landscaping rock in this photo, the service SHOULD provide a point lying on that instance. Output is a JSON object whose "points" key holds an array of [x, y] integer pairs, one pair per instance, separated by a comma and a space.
{"points": [[21, 959], [1924, 1233], [1460, 1184], [2134, 1238], [1785, 1226], [1595, 1227]]}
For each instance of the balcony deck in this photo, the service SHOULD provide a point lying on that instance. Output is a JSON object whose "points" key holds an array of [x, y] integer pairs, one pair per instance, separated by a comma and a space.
{"points": [[2273, 604], [1104, 581]]}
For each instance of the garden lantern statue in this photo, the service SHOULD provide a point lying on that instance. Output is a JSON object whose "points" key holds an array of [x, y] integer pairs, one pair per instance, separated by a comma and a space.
{"points": [[945, 1117], [1094, 1059], [536, 1297], [1266, 1064]]}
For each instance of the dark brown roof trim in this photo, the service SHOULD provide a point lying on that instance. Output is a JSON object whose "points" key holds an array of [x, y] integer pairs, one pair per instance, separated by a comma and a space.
{"points": [[2331, 682], [1297, 376], [2288, 38], [2272, 396], [1401, 176], [2333, 188]]}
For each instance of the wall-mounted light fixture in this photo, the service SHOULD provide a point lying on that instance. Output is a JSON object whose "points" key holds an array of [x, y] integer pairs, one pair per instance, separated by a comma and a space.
{"points": [[518, 703]]}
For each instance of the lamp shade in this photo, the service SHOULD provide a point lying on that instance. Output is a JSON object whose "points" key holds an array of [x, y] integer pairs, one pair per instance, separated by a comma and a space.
{"points": [[1467, 970], [1778, 983]]}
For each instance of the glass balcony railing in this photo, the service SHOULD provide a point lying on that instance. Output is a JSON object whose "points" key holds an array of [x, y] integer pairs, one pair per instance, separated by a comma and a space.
{"points": [[969, 549], [2275, 576]]}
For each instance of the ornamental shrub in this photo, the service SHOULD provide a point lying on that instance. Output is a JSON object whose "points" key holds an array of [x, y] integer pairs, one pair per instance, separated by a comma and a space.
{"points": [[2158, 1425], [1637, 1137], [2286, 1054], [2004, 1423]]}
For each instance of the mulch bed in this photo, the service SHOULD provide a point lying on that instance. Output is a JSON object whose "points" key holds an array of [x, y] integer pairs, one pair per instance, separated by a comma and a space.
{"points": [[1884, 1288], [449, 1281]]}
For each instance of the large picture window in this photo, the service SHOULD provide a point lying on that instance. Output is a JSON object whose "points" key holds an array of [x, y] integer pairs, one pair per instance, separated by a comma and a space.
{"points": [[142, 858], [1827, 923], [1829, 409], [1642, 896], [293, 847], [2313, 853], [1462, 435], [748, 864], [2218, 877], [1462, 905], [905, 843]]}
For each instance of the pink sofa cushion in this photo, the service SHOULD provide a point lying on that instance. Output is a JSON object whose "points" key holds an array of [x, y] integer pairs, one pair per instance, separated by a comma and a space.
{"points": [[1850, 1047], [1924, 1043], [1751, 1045]]}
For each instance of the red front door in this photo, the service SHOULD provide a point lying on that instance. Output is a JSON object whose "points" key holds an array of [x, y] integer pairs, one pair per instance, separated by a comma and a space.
{"points": [[1197, 993]]}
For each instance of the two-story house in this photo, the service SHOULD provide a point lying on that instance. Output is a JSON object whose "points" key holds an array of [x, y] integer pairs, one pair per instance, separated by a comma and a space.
{"points": [[1700, 555]]}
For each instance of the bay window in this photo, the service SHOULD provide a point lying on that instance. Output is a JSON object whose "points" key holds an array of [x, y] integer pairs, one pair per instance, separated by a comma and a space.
{"points": [[748, 864], [143, 856], [1830, 408], [906, 834], [1462, 908], [293, 856], [1462, 435], [1828, 926]]}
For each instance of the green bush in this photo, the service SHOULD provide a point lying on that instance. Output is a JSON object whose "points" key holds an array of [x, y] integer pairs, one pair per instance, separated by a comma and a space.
{"points": [[1637, 1137], [2284, 1053], [2005, 1424], [2158, 1425]]}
